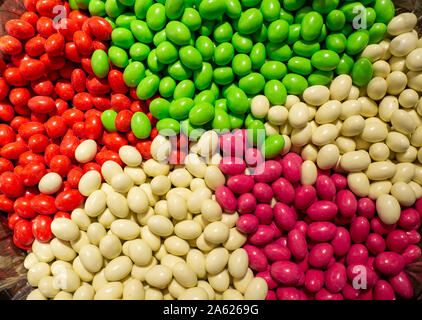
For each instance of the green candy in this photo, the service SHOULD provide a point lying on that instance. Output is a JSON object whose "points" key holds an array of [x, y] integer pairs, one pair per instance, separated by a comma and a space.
{"points": [[118, 56], [168, 127], [270, 10], [252, 84], [272, 146], [153, 64], [278, 31], [222, 104], [82, 4], [258, 55], [191, 19], [166, 52], [321, 78], [287, 16], [201, 113], [305, 49], [325, 60], [362, 72], [250, 21], [167, 87], [96, 8], [178, 71], [178, 33], [124, 20], [221, 120], [302, 13], [111, 21], [223, 75], [357, 41], [212, 9], [279, 52], [133, 74], [148, 87], [233, 9], [205, 47], [345, 65], [99, 63], [377, 32], [159, 37], [203, 77], [174, 8], [256, 133], [276, 92], [179, 108], [370, 17], [351, 10], [207, 27], [294, 83], [236, 120], [237, 101], [249, 118], [300, 65], [190, 130], [108, 118], [384, 10], [141, 8], [190, 57], [184, 89], [273, 70], [127, 3], [156, 17], [293, 5], [141, 31], [139, 51], [324, 6], [205, 96], [241, 64], [140, 125], [294, 33], [122, 38], [311, 26], [241, 43], [336, 42], [113, 8], [159, 108], [223, 32], [223, 54], [335, 20]]}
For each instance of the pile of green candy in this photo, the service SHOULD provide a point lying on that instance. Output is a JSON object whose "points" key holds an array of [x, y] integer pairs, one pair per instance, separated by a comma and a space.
{"points": [[207, 58]]}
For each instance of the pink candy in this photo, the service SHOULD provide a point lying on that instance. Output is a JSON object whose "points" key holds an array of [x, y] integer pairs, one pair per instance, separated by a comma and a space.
{"points": [[240, 183]]}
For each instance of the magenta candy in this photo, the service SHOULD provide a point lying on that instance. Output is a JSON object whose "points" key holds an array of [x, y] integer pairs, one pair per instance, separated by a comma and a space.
{"points": [[305, 196], [413, 236], [397, 241], [366, 208], [291, 156], [262, 236], [264, 213], [358, 254], [288, 293], [409, 219], [301, 226], [350, 293], [383, 291], [339, 181], [325, 187], [232, 145], [346, 203], [314, 280], [341, 242], [402, 285], [335, 278], [246, 203], [322, 210], [323, 294], [247, 223], [418, 206], [266, 275], [296, 242], [271, 295], [366, 295], [342, 221], [285, 217], [253, 157], [285, 272], [226, 199], [232, 165], [411, 254], [292, 169], [276, 252], [359, 229], [276, 230], [240, 183], [282, 241], [380, 227], [262, 192], [257, 259], [389, 263], [268, 171], [321, 231], [283, 190], [320, 255], [375, 243]]}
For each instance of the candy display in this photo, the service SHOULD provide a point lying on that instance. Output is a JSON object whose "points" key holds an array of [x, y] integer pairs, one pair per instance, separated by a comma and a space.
{"points": [[213, 149]]}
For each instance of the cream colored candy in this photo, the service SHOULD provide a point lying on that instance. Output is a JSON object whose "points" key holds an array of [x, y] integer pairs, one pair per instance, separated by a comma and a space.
{"points": [[81, 241], [188, 230], [160, 225], [238, 263], [381, 68], [376, 189], [86, 151], [402, 23], [229, 219], [195, 165], [316, 95], [207, 143], [232, 294], [309, 173], [409, 155], [46, 287], [176, 246], [260, 106], [404, 172], [65, 229], [350, 108], [110, 246], [42, 251], [388, 209], [257, 289], [153, 240], [158, 276], [402, 122], [133, 290], [369, 107], [37, 272], [216, 260], [109, 169], [301, 137], [309, 152], [30, 260], [89, 182], [35, 295], [417, 189], [185, 275], [160, 185], [328, 112], [396, 82], [180, 178], [130, 156], [110, 291], [241, 284], [106, 218], [195, 293], [277, 115], [397, 64], [345, 144], [137, 200], [50, 183], [414, 60], [325, 134], [298, 115], [177, 207], [137, 175], [95, 233], [216, 232], [91, 258], [153, 168], [117, 204], [211, 210], [84, 292], [377, 88], [196, 260], [355, 161], [358, 183], [353, 126], [373, 52], [397, 142], [381, 170], [121, 182], [403, 193], [125, 229], [118, 268], [95, 203], [203, 244], [328, 156], [340, 87], [160, 148], [184, 193], [80, 270], [415, 80], [385, 43], [62, 249], [374, 130], [404, 43], [220, 281], [408, 98], [214, 178]]}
